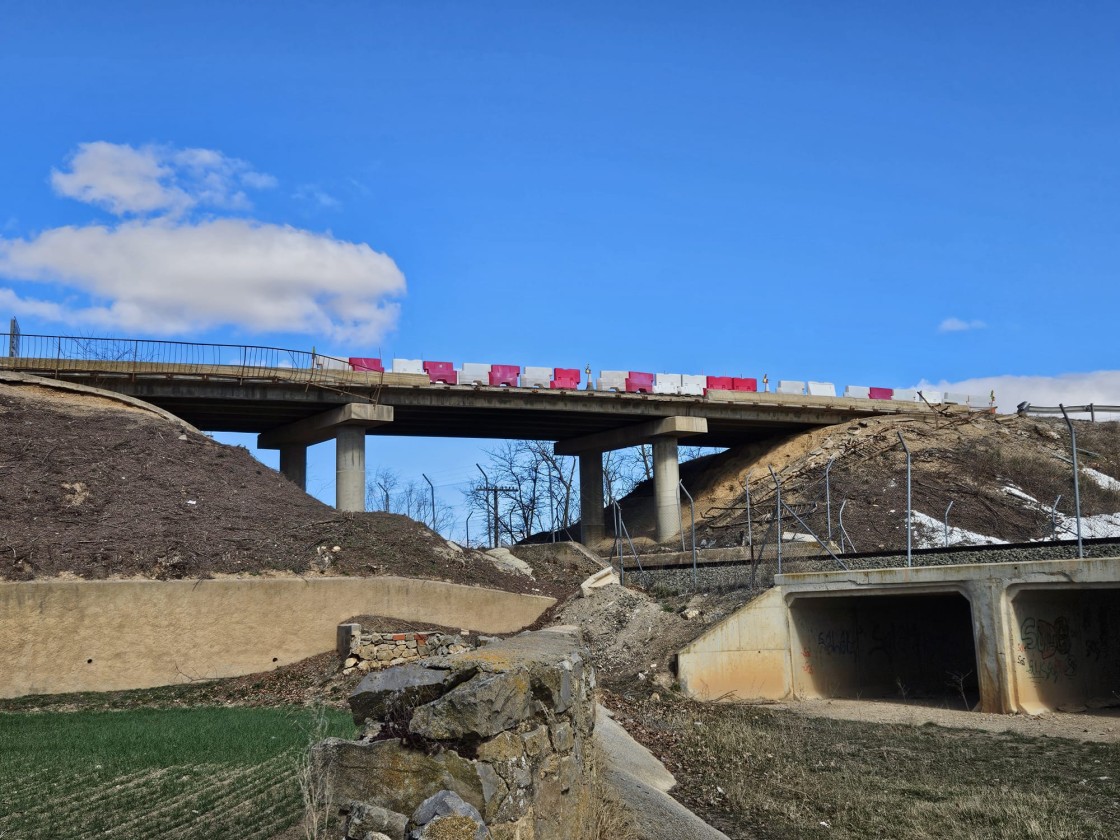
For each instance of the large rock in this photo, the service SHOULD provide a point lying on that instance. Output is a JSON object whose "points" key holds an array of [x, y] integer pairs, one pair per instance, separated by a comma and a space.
{"points": [[445, 816], [386, 694], [506, 561], [372, 822], [477, 709], [392, 776]]}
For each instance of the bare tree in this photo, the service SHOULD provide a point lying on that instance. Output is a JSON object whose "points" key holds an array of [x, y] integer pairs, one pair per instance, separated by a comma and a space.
{"points": [[386, 492], [539, 489]]}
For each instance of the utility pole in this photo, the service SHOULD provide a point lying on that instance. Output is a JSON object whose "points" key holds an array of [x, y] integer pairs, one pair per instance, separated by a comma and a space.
{"points": [[488, 488]]}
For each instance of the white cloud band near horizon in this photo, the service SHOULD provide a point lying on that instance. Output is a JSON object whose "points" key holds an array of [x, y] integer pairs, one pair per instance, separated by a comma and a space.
{"points": [[1100, 387], [160, 271]]}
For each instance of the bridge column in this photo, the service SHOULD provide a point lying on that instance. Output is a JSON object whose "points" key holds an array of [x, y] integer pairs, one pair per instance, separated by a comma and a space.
{"points": [[664, 434], [347, 424], [591, 498], [350, 468], [293, 464], [666, 479]]}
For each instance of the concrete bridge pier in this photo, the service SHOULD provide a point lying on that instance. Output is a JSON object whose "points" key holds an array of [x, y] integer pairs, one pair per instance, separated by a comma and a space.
{"points": [[664, 434], [591, 497], [347, 424]]}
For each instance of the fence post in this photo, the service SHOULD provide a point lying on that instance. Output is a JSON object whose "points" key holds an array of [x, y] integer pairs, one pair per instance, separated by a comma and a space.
{"points": [[909, 559], [947, 522], [1076, 481], [778, 491]]}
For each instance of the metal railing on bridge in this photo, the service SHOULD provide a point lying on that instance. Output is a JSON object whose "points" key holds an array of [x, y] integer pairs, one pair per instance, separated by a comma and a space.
{"points": [[105, 358]]}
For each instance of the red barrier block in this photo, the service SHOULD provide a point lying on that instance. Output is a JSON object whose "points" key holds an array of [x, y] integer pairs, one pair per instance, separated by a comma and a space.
{"points": [[639, 383], [719, 383], [366, 364], [505, 375], [441, 372], [738, 384], [565, 378], [880, 393]]}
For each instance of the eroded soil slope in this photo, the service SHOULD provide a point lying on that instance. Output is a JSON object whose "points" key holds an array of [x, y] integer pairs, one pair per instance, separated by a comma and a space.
{"points": [[1001, 473], [99, 489]]}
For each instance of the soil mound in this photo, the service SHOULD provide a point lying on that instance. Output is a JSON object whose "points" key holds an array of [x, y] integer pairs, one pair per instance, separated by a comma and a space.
{"points": [[98, 488], [1002, 475]]}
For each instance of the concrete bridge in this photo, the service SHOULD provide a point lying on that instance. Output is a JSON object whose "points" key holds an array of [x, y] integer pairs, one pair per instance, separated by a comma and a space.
{"points": [[1010, 637], [293, 405]]}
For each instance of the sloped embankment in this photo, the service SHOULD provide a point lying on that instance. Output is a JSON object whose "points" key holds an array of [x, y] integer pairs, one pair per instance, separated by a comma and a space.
{"points": [[97, 488]]}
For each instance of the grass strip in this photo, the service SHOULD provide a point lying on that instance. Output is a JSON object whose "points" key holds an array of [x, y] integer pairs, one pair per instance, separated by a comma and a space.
{"points": [[204, 772]]}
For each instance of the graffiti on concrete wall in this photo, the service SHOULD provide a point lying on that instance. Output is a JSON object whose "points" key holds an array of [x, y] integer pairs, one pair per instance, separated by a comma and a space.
{"points": [[1045, 649]]}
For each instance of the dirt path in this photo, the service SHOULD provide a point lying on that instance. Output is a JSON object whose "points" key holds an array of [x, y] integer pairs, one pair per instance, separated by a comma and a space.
{"points": [[1101, 726]]}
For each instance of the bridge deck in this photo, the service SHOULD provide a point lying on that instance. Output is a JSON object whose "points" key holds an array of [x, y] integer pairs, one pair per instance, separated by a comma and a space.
{"points": [[250, 398]]}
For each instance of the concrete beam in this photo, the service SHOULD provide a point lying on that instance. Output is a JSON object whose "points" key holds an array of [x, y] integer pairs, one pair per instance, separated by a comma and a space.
{"points": [[666, 427], [321, 427]]}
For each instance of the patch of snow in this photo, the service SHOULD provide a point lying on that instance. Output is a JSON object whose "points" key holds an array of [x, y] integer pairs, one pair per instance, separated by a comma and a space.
{"points": [[930, 533], [1012, 490], [1101, 525], [1101, 480]]}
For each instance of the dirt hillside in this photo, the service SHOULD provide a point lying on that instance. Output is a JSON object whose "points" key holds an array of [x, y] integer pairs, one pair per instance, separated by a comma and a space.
{"points": [[1002, 474], [98, 488]]}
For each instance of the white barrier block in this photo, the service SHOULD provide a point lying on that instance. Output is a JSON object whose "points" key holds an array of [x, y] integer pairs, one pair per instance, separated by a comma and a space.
{"points": [[407, 366], [474, 374], [858, 392], [933, 397], [693, 384], [667, 383], [978, 402], [536, 377], [955, 399], [791, 386], [612, 380], [822, 389], [330, 363], [904, 395]]}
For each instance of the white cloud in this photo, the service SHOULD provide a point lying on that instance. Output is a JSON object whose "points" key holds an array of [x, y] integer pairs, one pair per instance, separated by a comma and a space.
{"points": [[160, 276], [1101, 387], [156, 179], [959, 325], [159, 271]]}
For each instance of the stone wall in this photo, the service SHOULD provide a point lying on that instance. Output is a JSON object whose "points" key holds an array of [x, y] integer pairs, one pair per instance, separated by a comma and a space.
{"points": [[493, 742], [366, 650]]}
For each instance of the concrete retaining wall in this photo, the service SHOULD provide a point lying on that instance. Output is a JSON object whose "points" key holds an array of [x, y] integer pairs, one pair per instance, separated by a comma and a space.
{"points": [[63, 636], [746, 656]]}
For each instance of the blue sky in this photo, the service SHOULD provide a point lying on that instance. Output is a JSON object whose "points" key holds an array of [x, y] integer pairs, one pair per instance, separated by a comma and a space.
{"points": [[863, 193]]}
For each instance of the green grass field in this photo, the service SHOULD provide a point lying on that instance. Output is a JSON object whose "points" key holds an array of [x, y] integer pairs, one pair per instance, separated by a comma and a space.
{"points": [[157, 773]]}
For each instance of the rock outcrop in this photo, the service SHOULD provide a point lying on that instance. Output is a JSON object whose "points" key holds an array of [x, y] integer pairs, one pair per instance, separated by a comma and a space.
{"points": [[504, 729]]}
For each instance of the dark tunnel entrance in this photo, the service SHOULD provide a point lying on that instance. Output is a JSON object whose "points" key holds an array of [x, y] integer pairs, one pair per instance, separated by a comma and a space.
{"points": [[904, 647]]}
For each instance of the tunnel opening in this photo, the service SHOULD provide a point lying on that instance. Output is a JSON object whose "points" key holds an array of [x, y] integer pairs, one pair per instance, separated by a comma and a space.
{"points": [[913, 648], [1067, 649]]}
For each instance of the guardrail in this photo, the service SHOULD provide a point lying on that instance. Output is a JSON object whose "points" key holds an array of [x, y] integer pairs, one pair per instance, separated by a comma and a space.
{"points": [[1091, 409], [52, 355]]}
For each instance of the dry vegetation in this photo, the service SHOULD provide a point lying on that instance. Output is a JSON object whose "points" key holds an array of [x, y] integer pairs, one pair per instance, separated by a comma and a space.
{"points": [[757, 773]]}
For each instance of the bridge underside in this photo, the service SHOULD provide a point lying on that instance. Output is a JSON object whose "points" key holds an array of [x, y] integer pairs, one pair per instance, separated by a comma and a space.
{"points": [[281, 405]]}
